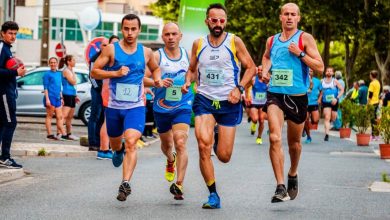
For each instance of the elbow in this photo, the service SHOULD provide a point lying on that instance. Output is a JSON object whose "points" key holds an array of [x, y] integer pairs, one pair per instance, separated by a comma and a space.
{"points": [[321, 68]]}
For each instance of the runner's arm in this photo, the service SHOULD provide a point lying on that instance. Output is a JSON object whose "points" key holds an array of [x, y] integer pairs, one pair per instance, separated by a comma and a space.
{"points": [[341, 89], [70, 77], [105, 58], [153, 67], [313, 58], [192, 69], [266, 61], [246, 61]]}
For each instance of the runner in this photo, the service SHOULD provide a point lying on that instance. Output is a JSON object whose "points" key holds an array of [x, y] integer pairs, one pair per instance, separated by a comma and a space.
{"points": [[288, 57], [257, 93], [69, 93], [217, 57], [331, 92], [313, 115], [125, 114], [172, 109], [8, 94], [52, 100]]}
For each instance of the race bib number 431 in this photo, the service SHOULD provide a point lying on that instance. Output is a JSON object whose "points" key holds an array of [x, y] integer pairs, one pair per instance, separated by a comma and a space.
{"points": [[127, 92], [214, 77], [282, 77]]}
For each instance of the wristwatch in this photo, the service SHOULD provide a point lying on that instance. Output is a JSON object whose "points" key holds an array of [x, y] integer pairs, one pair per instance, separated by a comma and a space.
{"points": [[301, 55], [241, 88]]}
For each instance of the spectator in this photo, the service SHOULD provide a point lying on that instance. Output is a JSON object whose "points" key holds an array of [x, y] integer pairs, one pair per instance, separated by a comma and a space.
{"points": [[373, 99], [363, 92], [337, 122], [386, 96]]}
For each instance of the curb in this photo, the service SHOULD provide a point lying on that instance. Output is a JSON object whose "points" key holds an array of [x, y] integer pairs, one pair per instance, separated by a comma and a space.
{"points": [[7, 175]]}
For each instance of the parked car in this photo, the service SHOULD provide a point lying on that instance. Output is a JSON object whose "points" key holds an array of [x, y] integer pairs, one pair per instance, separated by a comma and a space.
{"points": [[30, 94]]}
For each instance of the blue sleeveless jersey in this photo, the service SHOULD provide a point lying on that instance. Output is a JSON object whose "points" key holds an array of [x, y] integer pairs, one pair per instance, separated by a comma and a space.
{"points": [[286, 66], [259, 92], [176, 70], [329, 90], [315, 91], [67, 88], [126, 92]]}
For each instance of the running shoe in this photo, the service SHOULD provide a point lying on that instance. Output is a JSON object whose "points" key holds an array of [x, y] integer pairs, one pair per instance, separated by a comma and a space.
{"points": [[124, 191], [60, 137], [104, 155], [51, 137], [140, 143], [308, 140], [259, 141], [326, 137], [292, 186], [177, 191], [281, 194], [10, 163], [117, 157], [71, 137], [253, 128], [213, 203], [170, 169]]}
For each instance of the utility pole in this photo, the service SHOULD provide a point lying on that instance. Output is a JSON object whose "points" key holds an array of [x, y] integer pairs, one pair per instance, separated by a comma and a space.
{"points": [[45, 33]]}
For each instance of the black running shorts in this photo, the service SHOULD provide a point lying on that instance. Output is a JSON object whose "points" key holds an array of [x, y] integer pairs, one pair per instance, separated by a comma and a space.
{"points": [[293, 107]]}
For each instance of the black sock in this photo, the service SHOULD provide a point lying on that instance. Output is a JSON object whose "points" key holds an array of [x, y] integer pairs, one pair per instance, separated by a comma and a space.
{"points": [[212, 188]]}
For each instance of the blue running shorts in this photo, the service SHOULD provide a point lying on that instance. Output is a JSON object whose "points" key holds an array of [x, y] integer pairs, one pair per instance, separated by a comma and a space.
{"points": [[224, 112], [165, 121], [119, 120], [56, 102]]}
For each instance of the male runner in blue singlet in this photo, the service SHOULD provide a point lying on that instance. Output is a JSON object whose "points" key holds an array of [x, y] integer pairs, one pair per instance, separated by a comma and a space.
{"points": [[288, 56], [126, 60]]}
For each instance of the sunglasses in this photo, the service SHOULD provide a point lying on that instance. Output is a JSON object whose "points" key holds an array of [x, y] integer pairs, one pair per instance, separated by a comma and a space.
{"points": [[215, 20]]}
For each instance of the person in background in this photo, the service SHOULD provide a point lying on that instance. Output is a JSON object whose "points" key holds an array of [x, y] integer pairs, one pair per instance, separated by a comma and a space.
{"points": [[386, 96], [363, 92], [52, 100], [337, 122], [373, 99], [313, 115], [69, 81]]}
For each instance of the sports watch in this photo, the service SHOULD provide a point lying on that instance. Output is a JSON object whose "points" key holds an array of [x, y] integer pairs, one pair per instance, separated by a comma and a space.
{"points": [[301, 55], [241, 88]]}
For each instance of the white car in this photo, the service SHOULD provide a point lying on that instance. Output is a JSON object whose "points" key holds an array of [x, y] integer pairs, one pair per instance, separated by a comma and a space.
{"points": [[30, 94]]}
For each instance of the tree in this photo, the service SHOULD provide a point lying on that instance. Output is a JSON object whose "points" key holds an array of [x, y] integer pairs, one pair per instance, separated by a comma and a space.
{"points": [[168, 10]]}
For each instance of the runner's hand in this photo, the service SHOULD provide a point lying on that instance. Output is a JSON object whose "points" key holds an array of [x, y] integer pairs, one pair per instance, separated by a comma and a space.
{"points": [[234, 96], [167, 82], [158, 83], [184, 88], [248, 102], [294, 49], [123, 71], [77, 99], [334, 101], [149, 91], [265, 77]]}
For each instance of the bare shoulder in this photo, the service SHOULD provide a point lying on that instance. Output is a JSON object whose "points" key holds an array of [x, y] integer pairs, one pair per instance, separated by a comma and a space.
{"points": [[307, 37]]}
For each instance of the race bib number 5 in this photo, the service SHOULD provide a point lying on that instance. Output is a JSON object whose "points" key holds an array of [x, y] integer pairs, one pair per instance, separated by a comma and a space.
{"points": [[173, 93], [214, 77], [127, 92], [282, 77]]}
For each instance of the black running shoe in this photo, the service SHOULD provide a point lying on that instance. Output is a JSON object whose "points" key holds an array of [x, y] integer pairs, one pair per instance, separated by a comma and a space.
{"points": [[281, 194], [326, 138], [177, 191], [10, 163], [292, 186], [124, 191]]}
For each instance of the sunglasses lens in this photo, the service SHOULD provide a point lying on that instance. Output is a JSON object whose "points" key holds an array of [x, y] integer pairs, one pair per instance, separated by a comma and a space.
{"points": [[222, 20], [214, 20]]}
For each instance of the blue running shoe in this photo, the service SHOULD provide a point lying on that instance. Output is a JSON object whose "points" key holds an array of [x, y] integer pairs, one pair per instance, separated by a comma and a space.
{"points": [[213, 203], [308, 140], [104, 155], [117, 157]]}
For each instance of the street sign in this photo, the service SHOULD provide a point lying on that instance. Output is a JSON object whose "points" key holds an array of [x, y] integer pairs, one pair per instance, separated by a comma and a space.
{"points": [[60, 50], [93, 48]]}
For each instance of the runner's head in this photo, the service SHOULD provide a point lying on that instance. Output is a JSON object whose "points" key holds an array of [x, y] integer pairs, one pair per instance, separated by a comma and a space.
{"points": [[171, 35], [373, 74], [53, 62], [131, 27], [113, 39], [8, 31], [290, 16], [329, 71], [356, 85], [216, 19]]}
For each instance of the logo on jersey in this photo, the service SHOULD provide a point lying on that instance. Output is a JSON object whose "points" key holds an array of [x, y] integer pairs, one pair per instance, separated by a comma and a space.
{"points": [[184, 64], [214, 57], [166, 64]]}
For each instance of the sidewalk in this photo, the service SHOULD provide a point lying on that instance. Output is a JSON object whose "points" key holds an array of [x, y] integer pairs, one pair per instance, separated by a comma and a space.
{"points": [[23, 149]]}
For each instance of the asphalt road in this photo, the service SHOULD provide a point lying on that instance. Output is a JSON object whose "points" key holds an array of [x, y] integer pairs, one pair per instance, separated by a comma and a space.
{"points": [[332, 186]]}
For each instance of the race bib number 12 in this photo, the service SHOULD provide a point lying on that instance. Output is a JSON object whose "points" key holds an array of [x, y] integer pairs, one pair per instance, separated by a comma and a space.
{"points": [[127, 92]]}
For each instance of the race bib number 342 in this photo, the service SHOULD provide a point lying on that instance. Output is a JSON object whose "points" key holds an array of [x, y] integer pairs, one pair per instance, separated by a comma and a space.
{"points": [[127, 92], [282, 77]]}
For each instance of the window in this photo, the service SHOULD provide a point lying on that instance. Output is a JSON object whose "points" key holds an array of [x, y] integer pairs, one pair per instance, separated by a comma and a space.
{"points": [[69, 27], [105, 29], [33, 79], [81, 78]]}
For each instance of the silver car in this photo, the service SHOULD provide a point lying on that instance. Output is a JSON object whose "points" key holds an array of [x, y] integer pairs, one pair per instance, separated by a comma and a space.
{"points": [[30, 94]]}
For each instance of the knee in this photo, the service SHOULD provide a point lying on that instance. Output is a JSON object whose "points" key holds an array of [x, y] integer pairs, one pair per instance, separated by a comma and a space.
{"points": [[131, 144], [180, 146], [204, 151], [274, 138], [295, 146], [224, 158]]}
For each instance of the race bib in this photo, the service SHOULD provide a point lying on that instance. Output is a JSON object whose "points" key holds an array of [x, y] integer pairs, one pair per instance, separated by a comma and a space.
{"points": [[329, 98], [214, 77], [282, 77], [173, 93], [127, 92], [260, 96]]}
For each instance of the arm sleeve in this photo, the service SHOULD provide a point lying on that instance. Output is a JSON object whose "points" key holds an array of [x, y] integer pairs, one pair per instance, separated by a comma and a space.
{"points": [[5, 73], [370, 94]]}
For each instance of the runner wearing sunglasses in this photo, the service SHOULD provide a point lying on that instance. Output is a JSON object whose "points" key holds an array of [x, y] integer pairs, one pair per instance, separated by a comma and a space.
{"points": [[287, 57], [217, 57]]}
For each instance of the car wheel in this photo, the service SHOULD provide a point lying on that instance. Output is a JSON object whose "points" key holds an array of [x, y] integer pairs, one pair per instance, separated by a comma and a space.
{"points": [[85, 113]]}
